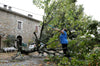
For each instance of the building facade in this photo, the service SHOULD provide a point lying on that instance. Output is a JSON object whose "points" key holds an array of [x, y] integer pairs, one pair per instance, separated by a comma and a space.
{"points": [[13, 23]]}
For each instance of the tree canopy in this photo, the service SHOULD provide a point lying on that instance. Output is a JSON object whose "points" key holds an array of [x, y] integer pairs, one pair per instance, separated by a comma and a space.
{"points": [[66, 14]]}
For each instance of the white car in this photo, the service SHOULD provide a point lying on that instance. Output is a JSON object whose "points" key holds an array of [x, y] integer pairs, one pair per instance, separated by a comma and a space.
{"points": [[32, 46], [7, 49]]}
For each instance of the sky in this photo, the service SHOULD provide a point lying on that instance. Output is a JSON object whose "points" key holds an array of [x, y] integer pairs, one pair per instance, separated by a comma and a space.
{"points": [[24, 7], [91, 7]]}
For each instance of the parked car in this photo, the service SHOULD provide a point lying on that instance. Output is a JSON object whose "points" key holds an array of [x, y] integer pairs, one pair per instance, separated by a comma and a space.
{"points": [[9, 49], [31, 46]]}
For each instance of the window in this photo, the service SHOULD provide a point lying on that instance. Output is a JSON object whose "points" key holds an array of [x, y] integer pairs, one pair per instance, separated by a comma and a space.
{"points": [[19, 25]]}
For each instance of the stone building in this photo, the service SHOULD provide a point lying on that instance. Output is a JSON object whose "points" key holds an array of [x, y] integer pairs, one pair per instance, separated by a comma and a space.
{"points": [[13, 23]]}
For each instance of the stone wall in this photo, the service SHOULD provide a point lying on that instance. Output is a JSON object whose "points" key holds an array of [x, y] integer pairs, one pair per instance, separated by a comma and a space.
{"points": [[9, 25]]}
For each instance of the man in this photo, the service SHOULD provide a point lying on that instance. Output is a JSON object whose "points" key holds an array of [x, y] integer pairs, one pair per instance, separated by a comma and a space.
{"points": [[63, 41]]}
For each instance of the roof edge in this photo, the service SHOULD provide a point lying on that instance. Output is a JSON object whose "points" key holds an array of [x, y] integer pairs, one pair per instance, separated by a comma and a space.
{"points": [[19, 14]]}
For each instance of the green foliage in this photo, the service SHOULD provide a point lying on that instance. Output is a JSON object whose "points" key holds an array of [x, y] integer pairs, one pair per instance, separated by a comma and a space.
{"points": [[76, 62], [66, 14], [94, 57], [60, 61], [9, 41], [92, 29], [38, 3]]}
